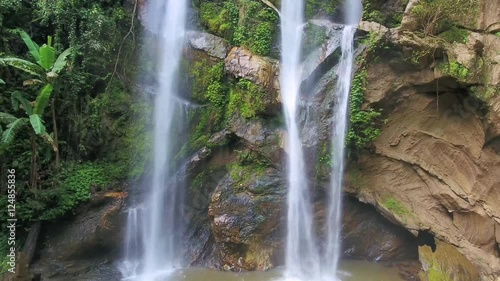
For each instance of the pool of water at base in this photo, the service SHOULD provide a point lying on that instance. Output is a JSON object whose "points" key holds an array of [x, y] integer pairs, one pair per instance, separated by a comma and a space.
{"points": [[349, 271]]}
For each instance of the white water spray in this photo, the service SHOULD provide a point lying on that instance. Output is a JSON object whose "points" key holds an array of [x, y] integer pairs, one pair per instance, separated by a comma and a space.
{"points": [[302, 260], [151, 249], [302, 253], [353, 10]]}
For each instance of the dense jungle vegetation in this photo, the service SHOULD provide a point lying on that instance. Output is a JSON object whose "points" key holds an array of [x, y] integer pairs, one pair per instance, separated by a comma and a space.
{"points": [[73, 122], [67, 131]]}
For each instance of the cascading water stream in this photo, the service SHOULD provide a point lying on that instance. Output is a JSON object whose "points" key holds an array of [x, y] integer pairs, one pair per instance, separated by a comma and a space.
{"points": [[353, 11], [151, 247], [302, 260], [302, 253]]}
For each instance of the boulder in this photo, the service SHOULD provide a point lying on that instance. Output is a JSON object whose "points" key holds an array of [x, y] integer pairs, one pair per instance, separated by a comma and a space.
{"points": [[242, 63], [246, 213], [84, 247], [212, 45]]}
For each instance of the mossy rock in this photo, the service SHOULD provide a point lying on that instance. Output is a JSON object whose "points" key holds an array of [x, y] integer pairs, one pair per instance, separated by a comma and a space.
{"points": [[446, 263]]}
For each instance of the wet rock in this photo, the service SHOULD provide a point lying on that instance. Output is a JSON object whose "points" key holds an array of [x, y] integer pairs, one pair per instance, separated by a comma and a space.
{"points": [[79, 246], [246, 213], [367, 235], [263, 136], [212, 45], [242, 63], [431, 170]]}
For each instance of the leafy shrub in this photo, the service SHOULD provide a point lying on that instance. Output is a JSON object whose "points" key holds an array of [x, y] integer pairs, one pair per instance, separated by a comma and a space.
{"points": [[434, 15], [247, 98], [363, 128], [208, 85], [77, 181], [247, 23], [455, 34], [454, 69]]}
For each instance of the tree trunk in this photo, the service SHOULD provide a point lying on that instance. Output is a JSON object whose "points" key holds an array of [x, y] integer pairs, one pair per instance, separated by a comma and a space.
{"points": [[34, 168], [31, 242], [56, 140]]}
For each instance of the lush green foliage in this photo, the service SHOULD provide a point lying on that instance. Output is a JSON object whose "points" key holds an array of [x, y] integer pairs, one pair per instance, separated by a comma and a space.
{"points": [[363, 128], [372, 12], [209, 87], [247, 98], [98, 119], [247, 23], [77, 181], [455, 34], [454, 69]]}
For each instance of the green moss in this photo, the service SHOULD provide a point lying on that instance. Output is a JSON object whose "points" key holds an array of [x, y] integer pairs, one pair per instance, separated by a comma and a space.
{"points": [[435, 275], [454, 69], [245, 174], [247, 98], [397, 208], [325, 156], [363, 128], [455, 34], [219, 19], [208, 86], [198, 181]]}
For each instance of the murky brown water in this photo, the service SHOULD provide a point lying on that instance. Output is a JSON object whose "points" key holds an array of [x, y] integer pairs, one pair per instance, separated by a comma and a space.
{"points": [[352, 271]]}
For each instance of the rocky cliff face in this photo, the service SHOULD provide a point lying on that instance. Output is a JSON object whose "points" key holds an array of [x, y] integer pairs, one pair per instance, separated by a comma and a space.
{"points": [[432, 176], [435, 166]]}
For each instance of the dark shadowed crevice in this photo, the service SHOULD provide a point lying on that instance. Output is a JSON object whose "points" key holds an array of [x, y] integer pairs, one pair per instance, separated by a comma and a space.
{"points": [[426, 238]]}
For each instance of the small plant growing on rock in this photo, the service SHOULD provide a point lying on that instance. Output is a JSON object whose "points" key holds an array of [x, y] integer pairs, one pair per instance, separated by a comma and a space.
{"points": [[434, 15], [397, 208]]}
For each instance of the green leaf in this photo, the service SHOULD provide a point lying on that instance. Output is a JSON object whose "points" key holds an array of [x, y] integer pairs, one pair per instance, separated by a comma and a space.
{"points": [[7, 118], [24, 65], [2, 82], [9, 134], [37, 124], [43, 99], [15, 103], [61, 61], [26, 104], [47, 57], [32, 46]]}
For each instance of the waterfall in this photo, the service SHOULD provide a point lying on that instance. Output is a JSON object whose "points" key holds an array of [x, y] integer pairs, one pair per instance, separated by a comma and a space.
{"points": [[302, 260], [353, 10], [151, 244]]}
